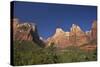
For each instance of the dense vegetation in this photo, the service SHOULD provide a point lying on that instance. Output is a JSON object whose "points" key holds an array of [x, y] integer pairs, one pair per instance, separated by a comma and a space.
{"points": [[27, 53]]}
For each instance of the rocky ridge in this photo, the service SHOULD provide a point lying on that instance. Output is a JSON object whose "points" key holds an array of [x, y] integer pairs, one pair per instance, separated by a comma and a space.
{"points": [[61, 39]]}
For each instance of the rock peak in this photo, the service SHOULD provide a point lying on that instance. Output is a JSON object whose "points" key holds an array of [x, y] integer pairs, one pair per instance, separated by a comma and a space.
{"points": [[24, 31], [75, 28], [94, 24], [58, 30], [74, 25]]}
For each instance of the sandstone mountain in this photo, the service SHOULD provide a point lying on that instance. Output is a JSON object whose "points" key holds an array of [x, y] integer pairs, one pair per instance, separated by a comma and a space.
{"points": [[92, 38], [25, 32], [61, 39], [75, 37]]}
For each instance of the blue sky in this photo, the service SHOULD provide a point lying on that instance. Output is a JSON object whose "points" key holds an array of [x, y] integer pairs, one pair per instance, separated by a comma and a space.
{"points": [[48, 17]]}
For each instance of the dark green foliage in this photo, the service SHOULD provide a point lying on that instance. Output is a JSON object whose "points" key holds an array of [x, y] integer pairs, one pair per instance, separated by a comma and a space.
{"points": [[23, 52], [29, 53], [74, 54]]}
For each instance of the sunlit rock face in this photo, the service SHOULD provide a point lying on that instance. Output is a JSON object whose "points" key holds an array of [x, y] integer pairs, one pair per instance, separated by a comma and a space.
{"points": [[77, 36], [60, 39]]}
